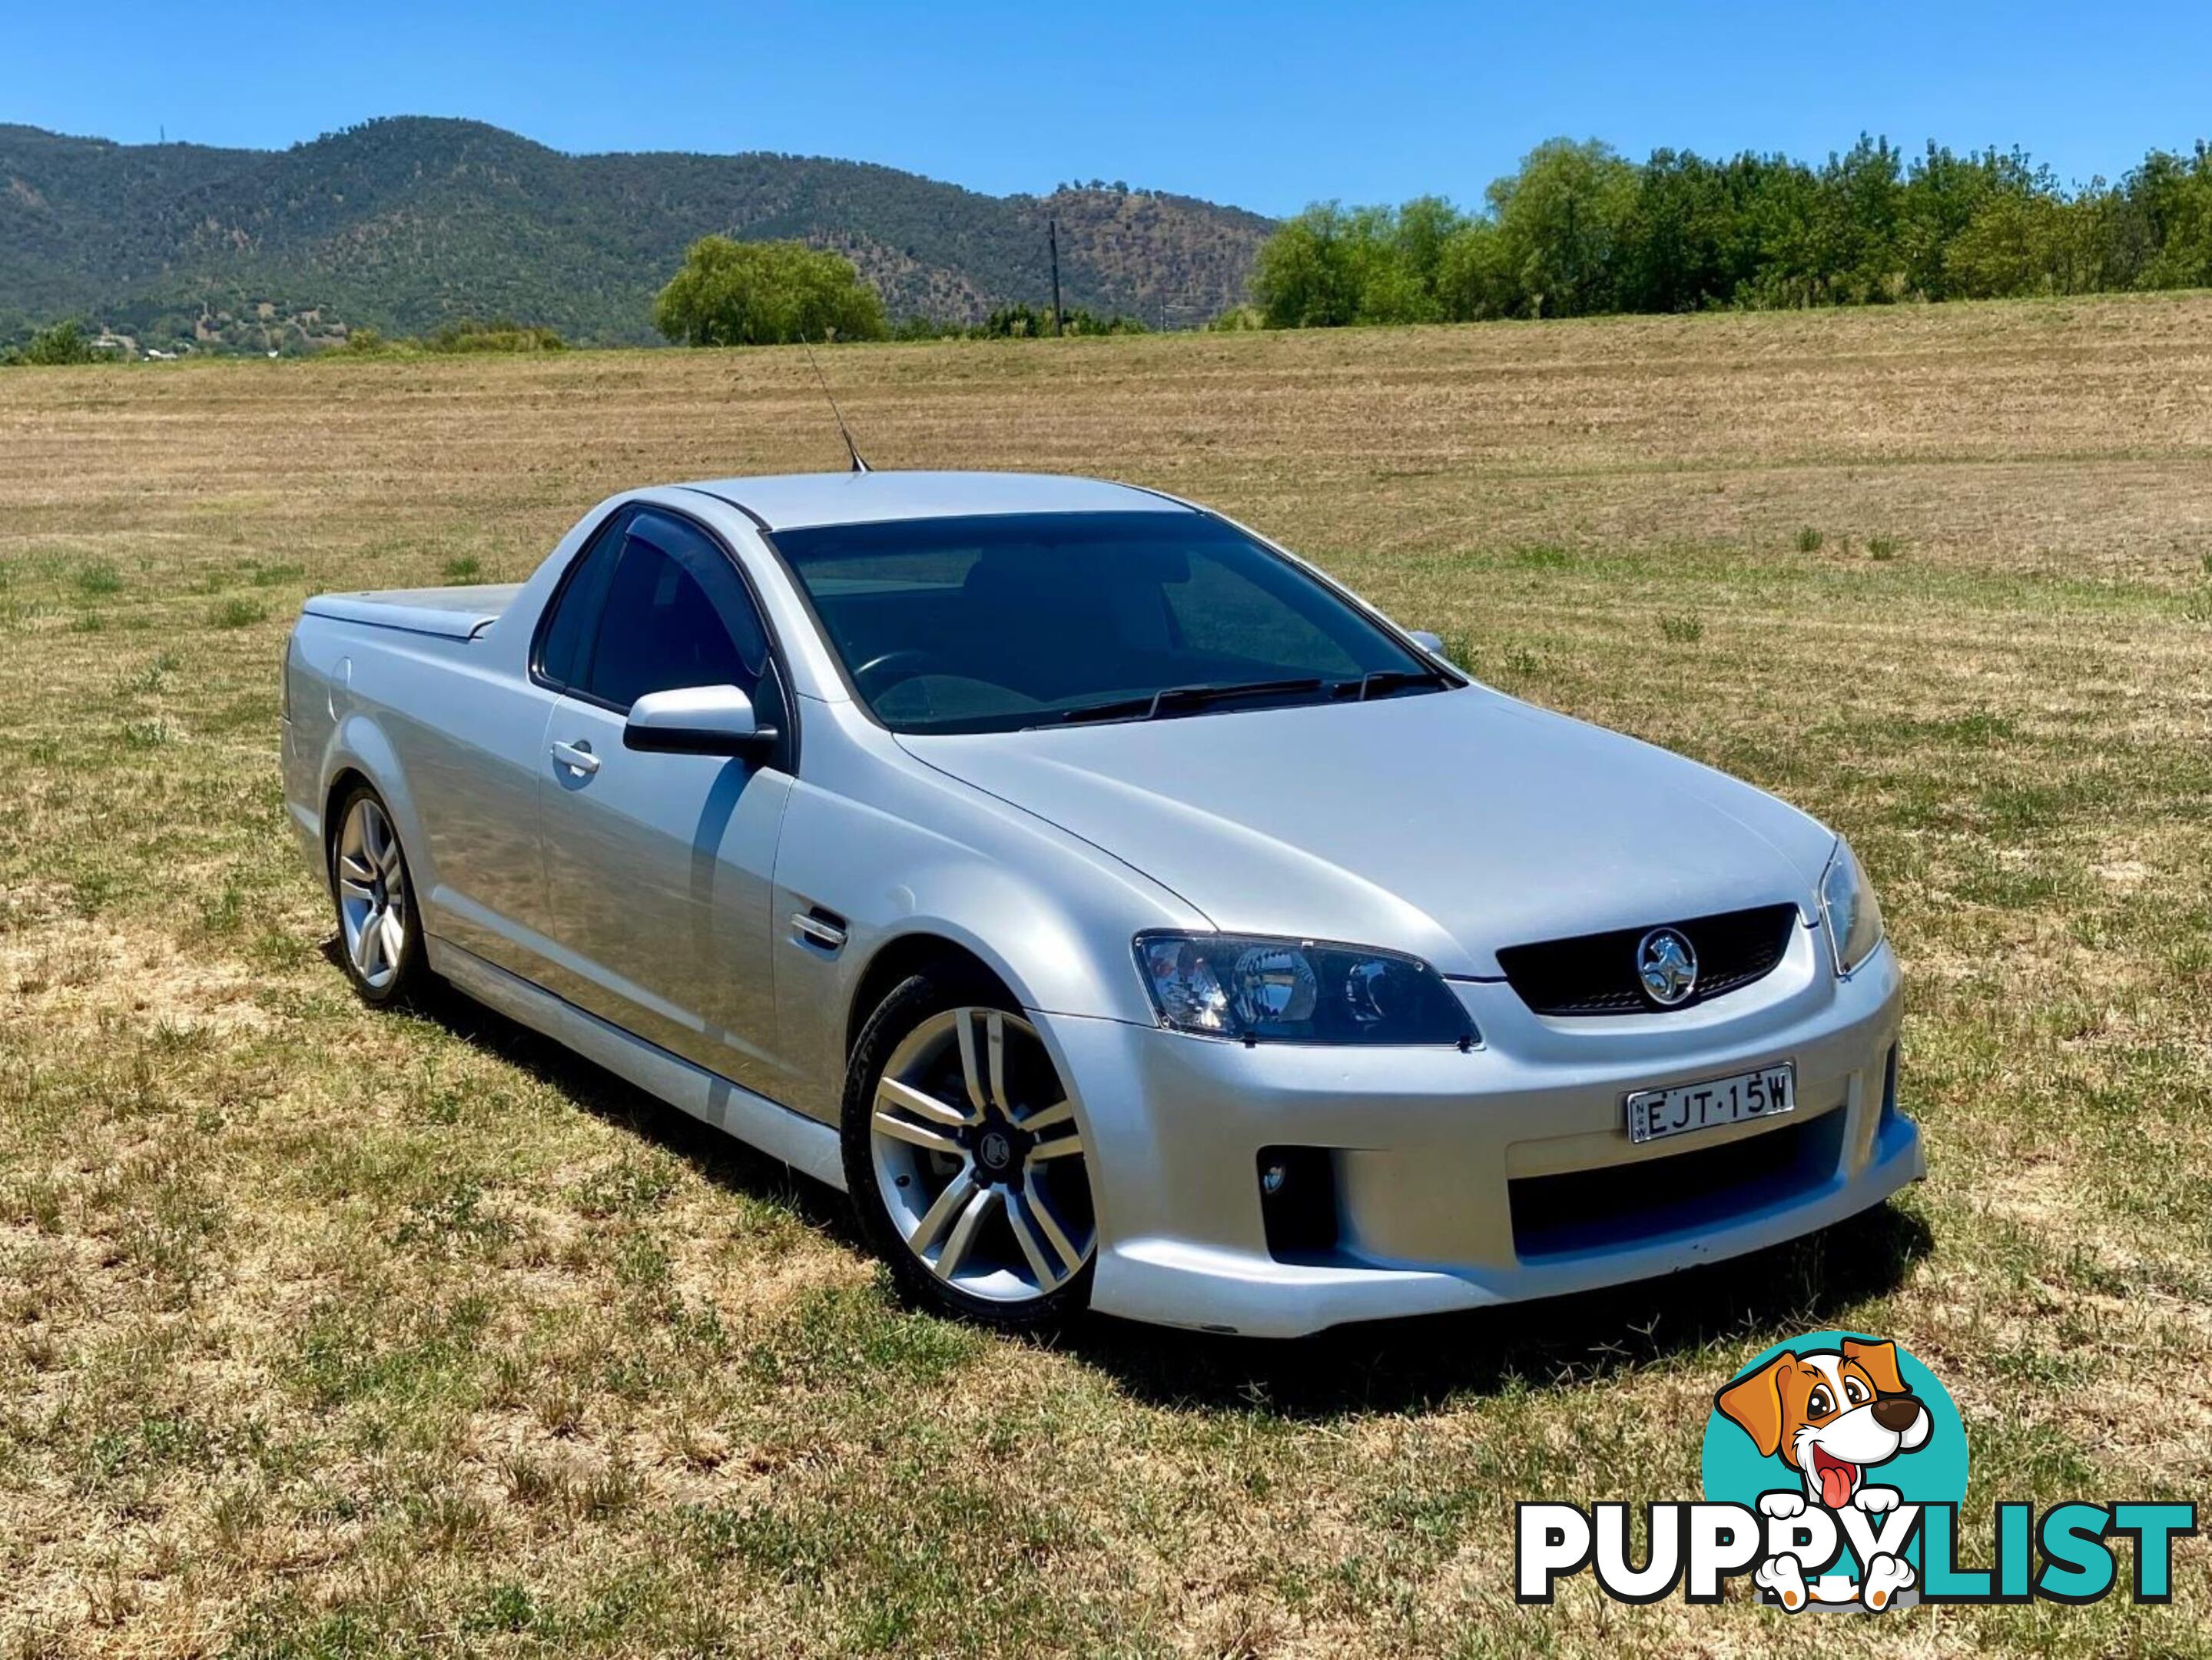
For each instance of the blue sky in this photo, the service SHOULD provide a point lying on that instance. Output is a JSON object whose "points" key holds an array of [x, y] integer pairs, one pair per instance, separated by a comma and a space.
{"points": [[1268, 106]]}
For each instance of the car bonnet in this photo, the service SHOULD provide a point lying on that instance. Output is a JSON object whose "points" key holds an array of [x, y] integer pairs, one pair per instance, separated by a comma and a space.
{"points": [[1447, 824]]}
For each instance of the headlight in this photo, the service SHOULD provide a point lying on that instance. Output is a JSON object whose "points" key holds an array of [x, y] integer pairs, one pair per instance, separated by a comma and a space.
{"points": [[1293, 991], [1854, 915]]}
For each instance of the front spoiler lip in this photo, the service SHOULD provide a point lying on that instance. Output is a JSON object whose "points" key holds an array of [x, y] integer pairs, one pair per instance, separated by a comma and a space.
{"points": [[1164, 1281]]}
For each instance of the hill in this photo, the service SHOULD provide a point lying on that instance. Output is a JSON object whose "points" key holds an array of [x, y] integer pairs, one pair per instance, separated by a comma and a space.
{"points": [[404, 224]]}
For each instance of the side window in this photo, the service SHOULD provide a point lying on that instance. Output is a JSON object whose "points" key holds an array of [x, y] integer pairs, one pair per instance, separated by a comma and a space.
{"points": [[577, 602], [676, 615]]}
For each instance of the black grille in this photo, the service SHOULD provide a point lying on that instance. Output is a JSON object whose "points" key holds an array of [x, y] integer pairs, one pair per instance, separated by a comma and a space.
{"points": [[1686, 1192], [1596, 973]]}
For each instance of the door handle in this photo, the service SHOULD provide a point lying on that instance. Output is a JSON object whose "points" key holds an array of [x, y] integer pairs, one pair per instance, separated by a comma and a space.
{"points": [[578, 756]]}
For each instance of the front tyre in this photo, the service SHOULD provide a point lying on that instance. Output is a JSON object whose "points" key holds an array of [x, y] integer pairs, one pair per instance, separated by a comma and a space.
{"points": [[379, 929], [965, 1160]]}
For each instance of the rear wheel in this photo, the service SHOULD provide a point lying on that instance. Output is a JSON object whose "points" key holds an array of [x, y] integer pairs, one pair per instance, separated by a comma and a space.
{"points": [[379, 931], [965, 1160]]}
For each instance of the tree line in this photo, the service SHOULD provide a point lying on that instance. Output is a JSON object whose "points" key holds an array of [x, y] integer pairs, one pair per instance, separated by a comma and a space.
{"points": [[1579, 230], [1576, 229], [729, 292]]}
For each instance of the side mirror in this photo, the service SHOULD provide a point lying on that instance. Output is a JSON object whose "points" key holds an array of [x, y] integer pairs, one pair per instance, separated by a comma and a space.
{"points": [[1431, 643], [696, 720]]}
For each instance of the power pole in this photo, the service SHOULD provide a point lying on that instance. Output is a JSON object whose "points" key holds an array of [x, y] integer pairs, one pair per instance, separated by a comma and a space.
{"points": [[1052, 231]]}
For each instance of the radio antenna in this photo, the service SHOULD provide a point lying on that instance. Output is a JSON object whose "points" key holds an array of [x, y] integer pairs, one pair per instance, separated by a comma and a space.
{"points": [[851, 448]]}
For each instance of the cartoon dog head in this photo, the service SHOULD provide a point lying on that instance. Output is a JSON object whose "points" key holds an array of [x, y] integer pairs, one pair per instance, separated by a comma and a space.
{"points": [[1830, 1413]]}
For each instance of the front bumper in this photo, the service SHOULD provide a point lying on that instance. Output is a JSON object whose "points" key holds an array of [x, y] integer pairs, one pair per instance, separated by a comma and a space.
{"points": [[1458, 1177]]}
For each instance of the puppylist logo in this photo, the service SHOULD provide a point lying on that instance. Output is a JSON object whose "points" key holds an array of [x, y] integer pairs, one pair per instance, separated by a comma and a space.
{"points": [[1834, 1467], [1829, 1435]]}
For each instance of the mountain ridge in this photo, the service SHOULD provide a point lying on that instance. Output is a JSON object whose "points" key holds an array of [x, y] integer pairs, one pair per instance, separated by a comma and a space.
{"points": [[407, 221]]}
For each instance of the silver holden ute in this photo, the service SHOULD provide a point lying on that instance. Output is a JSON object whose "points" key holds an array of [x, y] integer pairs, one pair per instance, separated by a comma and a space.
{"points": [[1120, 911]]}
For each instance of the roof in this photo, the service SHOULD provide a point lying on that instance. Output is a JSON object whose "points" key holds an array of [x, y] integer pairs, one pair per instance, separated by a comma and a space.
{"points": [[794, 499]]}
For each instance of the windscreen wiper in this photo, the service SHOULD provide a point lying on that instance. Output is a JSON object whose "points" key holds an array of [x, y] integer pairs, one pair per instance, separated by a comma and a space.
{"points": [[1171, 699], [1388, 680]]}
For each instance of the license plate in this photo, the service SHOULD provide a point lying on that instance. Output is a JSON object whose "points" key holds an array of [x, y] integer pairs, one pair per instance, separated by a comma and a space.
{"points": [[1684, 1108]]}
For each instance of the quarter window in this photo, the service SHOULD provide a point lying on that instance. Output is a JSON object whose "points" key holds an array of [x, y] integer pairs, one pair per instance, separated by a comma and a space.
{"points": [[577, 604]]}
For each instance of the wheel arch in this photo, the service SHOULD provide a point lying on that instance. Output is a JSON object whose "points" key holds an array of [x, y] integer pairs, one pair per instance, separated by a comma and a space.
{"points": [[360, 752], [342, 784], [916, 867], [899, 958]]}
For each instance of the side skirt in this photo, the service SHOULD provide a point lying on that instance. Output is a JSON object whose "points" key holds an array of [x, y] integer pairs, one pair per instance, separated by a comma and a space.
{"points": [[803, 1143]]}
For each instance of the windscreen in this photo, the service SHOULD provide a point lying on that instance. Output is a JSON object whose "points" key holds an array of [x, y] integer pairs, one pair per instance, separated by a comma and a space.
{"points": [[999, 622]]}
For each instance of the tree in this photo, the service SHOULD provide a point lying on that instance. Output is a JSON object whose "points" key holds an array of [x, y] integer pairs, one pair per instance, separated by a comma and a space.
{"points": [[1691, 243], [1945, 194], [1564, 220], [1307, 276], [1403, 263], [759, 294], [64, 342], [1782, 218], [1333, 265], [1860, 194], [1474, 280], [2172, 195]]}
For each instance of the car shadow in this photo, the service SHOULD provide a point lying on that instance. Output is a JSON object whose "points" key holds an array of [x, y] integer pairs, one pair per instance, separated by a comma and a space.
{"points": [[1402, 1366], [1427, 1363], [722, 1158]]}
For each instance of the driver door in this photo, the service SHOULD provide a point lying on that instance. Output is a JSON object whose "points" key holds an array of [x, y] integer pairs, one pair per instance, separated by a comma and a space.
{"points": [[659, 868]]}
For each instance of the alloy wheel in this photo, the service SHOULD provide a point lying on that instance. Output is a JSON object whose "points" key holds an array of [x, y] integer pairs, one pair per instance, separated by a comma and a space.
{"points": [[979, 1159], [373, 898]]}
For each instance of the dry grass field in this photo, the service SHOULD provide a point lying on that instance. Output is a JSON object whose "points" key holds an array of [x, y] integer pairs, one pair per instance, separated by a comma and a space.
{"points": [[330, 1333]]}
